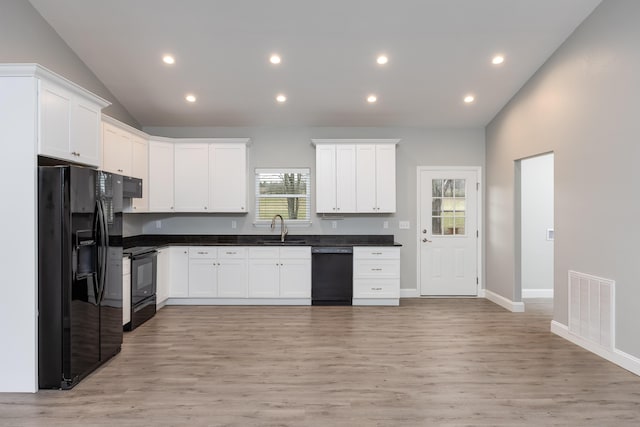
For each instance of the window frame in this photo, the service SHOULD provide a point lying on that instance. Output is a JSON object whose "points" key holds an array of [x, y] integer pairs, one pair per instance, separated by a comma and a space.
{"points": [[306, 222]]}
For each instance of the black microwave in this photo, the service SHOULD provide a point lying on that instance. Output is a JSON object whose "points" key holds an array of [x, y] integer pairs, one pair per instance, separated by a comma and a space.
{"points": [[131, 187]]}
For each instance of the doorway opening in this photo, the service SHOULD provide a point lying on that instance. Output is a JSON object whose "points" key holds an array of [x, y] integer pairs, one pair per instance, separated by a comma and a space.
{"points": [[535, 227]]}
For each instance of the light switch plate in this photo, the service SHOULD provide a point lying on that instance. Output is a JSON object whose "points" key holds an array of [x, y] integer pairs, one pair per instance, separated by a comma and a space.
{"points": [[404, 225], [334, 224], [158, 223], [234, 224], [385, 224]]}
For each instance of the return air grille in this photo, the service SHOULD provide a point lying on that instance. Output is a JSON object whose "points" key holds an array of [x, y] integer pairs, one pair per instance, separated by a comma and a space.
{"points": [[592, 308]]}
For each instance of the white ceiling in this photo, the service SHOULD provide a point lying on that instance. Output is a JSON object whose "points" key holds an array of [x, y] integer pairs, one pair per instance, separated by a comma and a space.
{"points": [[439, 50]]}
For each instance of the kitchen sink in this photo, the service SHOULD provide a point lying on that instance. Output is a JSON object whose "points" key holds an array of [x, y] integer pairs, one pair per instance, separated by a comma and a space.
{"points": [[277, 242]]}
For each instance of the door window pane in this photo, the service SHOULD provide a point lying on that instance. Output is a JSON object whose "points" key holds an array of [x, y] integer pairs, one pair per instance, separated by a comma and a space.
{"points": [[437, 188], [448, 207]]}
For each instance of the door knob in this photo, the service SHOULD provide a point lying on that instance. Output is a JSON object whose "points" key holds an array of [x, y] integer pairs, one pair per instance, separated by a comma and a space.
{"points": [[425, 240], [424, 231]]}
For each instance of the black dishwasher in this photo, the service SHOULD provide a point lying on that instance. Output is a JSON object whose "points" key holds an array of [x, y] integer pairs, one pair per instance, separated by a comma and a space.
{"points": [[331, 275]]}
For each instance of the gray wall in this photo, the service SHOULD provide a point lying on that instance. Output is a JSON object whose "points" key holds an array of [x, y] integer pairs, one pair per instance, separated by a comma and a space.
{"points": [[291, 147], [536, 182], [26, 37], [582, 105]]}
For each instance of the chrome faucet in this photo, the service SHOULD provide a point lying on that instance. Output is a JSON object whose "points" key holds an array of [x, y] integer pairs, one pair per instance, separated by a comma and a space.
{"points": [[283, 228]]}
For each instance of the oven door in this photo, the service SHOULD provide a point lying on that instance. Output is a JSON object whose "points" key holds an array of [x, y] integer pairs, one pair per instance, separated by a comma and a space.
{"points": [[143, 276]]}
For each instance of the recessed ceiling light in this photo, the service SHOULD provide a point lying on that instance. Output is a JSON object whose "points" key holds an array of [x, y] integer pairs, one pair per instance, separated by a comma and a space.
{"points": [[281, 98], [275, 59], [168, 59], [382, 59], [469, 99], [190, 98], [497, 60], [371, 99]]}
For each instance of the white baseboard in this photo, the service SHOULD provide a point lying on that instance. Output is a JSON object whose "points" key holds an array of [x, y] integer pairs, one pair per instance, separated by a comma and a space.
{"points": [[537, 293], [376, 301], [619, 357], [515, 307], [239, 301], [409, 293], [482, 293]]}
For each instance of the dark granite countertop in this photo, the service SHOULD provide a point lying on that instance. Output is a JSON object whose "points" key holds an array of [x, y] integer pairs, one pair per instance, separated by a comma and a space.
{"points": [[258, 240]]}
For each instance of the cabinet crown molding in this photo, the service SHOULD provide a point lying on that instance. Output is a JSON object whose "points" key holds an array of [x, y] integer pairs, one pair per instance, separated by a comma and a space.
{"points": [[394, 141], [38, 71]]}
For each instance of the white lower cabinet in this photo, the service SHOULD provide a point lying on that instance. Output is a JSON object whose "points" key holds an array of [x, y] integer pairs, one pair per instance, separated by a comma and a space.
{"points": [[126, 290], [217, 272], [276, 272], [376, 275], [163, 281], [178, 272]]}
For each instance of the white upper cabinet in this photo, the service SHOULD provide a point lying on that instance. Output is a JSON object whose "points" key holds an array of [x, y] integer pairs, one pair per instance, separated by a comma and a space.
{"points": [[355, 175], [335, 178], [191, 177], [116, 150], [227, 177], [161, 172], [376, 178], [207, 175], [140, 169], [69, 119]]}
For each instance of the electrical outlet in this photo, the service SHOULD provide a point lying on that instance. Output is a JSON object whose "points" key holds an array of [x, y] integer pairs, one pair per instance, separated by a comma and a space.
{"points": [[404, 225], [158, 224], [334, 224], [234, 224], [385, 224]]}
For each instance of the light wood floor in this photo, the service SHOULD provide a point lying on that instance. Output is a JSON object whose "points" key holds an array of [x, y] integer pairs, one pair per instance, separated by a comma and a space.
{"points": [[429, 362]]}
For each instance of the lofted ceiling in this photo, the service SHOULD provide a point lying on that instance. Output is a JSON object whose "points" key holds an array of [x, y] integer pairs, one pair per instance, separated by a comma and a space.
{"points": [[439, 51]]}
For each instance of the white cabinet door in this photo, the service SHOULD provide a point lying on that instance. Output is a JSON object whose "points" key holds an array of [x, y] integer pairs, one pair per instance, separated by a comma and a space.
{"points": [[191, 188], [126, 290], [386, 178], [85, 132], [163, 276], [203, 274], [295, 278], [140, 169], [366, 181], [325, 178], [264, 278], [227, 178], [345, 178], [69, 125], [116, 150], [161, 172], [178, 272], [232, 278], [55, 120]]}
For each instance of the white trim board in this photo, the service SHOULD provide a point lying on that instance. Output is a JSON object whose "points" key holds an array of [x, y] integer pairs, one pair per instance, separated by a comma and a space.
{"points": [[537, 293], [515, 307], [619, 357]]}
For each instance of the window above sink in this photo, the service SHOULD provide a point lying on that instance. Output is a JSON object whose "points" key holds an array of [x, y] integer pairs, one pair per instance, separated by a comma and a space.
{"points": [[283, 191]]}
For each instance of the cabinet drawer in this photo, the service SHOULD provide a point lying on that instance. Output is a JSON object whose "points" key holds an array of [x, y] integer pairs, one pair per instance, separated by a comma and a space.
{"points": [[376, 268], [376, 288], [232, 252], [126, 265], [303, 252], [203, 252], [262, 252], [371, 252]]}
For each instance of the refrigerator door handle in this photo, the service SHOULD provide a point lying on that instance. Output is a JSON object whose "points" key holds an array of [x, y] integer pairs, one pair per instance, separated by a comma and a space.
{"points": [[97, 230], [102, 249]]}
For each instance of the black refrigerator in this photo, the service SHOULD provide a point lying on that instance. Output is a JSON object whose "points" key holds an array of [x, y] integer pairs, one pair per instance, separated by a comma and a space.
{"points": [[79, 272]]}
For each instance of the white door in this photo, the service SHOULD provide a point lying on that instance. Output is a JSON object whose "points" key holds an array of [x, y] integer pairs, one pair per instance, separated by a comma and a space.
{"points": [[325, 178], [191, 182], [295, 278], [161, 172], [448, 232], [232, 278], [227, 178]]}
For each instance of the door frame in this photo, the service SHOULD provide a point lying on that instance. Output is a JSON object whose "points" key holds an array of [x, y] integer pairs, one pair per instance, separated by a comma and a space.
{"points": [[480, 292]]}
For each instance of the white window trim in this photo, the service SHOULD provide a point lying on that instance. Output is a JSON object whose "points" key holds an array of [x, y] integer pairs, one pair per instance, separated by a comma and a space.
{"points": [[290, 223]]}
